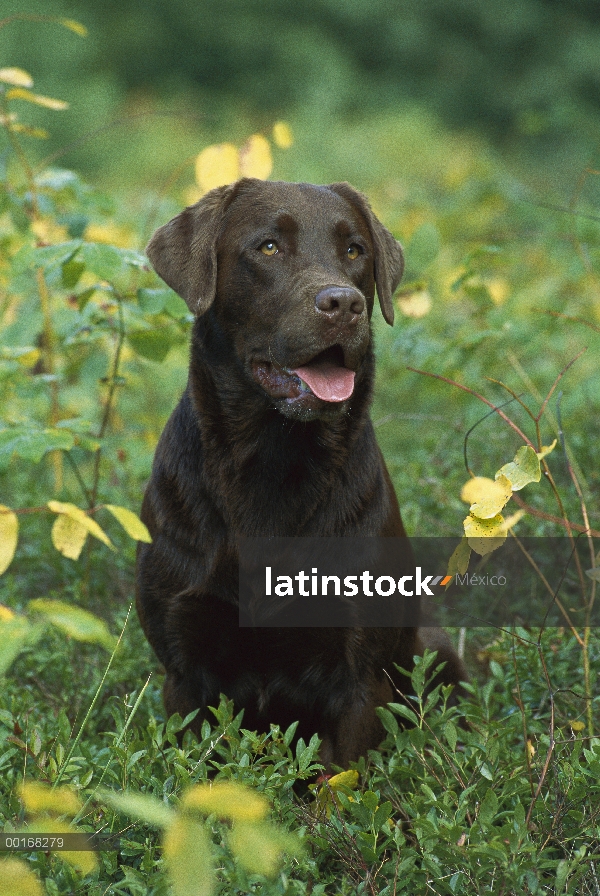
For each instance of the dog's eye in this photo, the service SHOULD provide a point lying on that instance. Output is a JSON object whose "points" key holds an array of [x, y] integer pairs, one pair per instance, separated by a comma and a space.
{"points": [[269, 247], [353, 251]]}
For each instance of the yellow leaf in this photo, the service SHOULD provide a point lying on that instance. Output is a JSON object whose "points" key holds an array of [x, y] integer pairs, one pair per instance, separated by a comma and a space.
{"points": [[77, 27], [498, 289], [49, 231], [546, 449], [474, 489], [68, 536], [227, 799], [16, 76], [132, 524], [492, 498], [459, 561], [38, 133], [16, 879], [79, 516], [255, 157], [6, 613], [525, 468], [282, 135], [19, 93], [38, 798], [112, 234], [187, 855], [217, 165], [9, 534], [259, 847], [416, 303], [530, 749], [29, 357], [84, 860], [344, 779], [485, 536]]}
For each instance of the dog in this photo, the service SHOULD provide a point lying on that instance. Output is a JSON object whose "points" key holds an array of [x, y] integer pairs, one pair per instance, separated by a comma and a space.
{"points": [[272, 437]]}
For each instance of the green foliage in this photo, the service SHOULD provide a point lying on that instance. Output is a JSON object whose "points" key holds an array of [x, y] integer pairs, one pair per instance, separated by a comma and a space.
{"points": [[499, 795]]}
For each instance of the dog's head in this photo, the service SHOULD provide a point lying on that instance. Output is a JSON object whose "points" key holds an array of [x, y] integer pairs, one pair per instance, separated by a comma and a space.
{"points": [[289, 271]]}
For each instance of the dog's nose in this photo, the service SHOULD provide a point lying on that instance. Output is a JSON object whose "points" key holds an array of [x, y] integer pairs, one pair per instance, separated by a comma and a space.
{"points": [[340, 301]]}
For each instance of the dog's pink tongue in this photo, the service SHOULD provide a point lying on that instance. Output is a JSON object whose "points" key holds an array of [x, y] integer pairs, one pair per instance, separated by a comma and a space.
{"points": [[329, 382]]}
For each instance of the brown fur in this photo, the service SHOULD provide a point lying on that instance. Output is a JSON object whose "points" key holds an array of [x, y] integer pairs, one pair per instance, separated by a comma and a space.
{"points": [[239, 458]]}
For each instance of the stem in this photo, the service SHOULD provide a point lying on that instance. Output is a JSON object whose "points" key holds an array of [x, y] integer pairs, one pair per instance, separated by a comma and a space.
{"points": [[109, 399], [20, 154], [93, 703], [506, 419], [117, 743], [590, 602], [48, 344]]}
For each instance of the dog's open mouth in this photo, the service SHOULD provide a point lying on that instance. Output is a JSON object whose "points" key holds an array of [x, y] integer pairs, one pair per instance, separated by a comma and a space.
{"points": [[324, 376]]}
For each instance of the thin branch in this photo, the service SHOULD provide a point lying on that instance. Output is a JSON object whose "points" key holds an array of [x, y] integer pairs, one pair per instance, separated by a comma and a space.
{"points": [[109, 398], [489, 414], [506, 419], [578, 320], [556, 382]]}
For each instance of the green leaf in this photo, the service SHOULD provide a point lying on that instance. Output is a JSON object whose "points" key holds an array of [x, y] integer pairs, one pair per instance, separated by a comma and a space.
{"points": [[32, 444], [84, 297], [186, 850], [562, 873], [451, 734], [175, 306], [459, 560], [423, 247], [16, 633], [151, 344], [525, 468], [73, 621], [132, 524], [71, 272], [259, 847], [405, 712], [488, 808], [142, 806], [107, 262], [152, 301], [387, 720], [52, 256]]}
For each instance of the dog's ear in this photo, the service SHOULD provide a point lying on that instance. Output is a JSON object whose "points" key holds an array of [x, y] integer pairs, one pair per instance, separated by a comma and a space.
{"points": [[184, 251], [389, 258]]}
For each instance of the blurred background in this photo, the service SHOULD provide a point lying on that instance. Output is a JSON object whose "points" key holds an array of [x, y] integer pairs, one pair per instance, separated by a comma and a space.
{"points": [[521, 75]]}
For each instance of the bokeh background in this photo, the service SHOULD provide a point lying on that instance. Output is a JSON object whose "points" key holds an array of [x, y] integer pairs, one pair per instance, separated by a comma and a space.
{"points": [[523, 75]]}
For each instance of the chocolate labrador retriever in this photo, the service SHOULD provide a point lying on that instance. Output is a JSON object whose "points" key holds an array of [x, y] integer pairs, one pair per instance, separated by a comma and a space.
{"points": [[272, 437]]}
